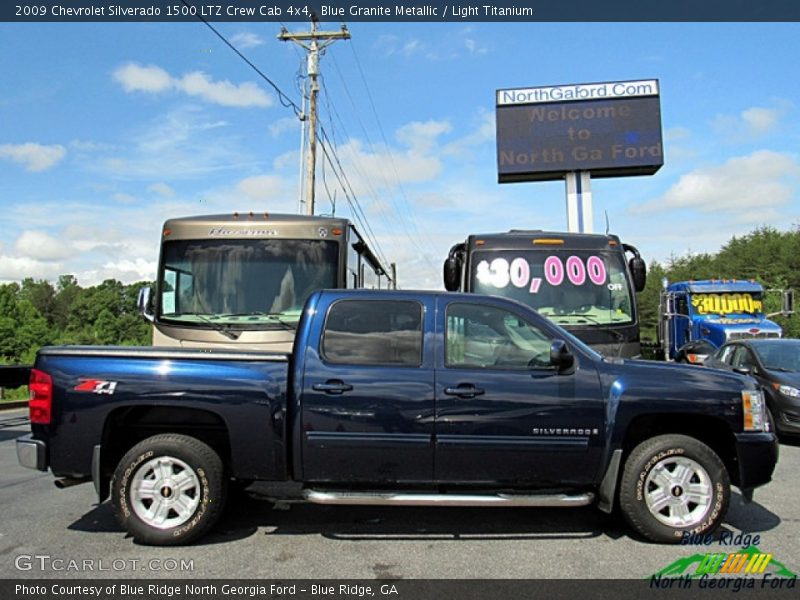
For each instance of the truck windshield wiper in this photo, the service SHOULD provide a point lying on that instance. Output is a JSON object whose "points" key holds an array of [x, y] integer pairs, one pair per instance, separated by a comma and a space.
{"points": [[581, 315], [276, 317], [223, 329]]}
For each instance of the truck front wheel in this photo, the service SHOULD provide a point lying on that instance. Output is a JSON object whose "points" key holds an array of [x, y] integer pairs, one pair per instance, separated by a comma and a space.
{"points": [[673, 485], [168, 489]]}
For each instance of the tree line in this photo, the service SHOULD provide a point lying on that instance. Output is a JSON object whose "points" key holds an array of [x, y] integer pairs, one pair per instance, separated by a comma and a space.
{"points": [[765, 255], [36, 313]]}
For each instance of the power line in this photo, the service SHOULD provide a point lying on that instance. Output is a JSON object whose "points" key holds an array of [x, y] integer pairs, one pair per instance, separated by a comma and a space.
{"points": [[287, 102], [404, 214], [282, 98], [344, 182]]}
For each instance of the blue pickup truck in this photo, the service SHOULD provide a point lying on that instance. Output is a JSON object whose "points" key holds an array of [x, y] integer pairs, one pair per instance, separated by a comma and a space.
{"points": [[399, 398]]}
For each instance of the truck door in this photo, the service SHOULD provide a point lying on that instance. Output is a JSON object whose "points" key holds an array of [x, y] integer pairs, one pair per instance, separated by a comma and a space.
{"points": [[367, 394], [503, 412], [680, 325]]}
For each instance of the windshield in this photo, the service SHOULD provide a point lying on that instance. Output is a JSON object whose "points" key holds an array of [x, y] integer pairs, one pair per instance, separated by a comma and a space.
{"points": [[724, 304], [570, 287], [243, 284], [783, 355]]}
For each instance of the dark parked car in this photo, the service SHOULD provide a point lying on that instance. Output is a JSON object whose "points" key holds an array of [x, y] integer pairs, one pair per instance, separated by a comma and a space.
{"points": [[775, 364], [696, 352]]}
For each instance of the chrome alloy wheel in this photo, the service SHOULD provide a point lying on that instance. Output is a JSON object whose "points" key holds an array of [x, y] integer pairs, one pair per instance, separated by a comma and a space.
{"points": [[678, 492], [165, 492]]}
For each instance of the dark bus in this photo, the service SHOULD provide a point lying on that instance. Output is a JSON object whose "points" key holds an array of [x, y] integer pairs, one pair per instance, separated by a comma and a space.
{"points": [[583, 282]]}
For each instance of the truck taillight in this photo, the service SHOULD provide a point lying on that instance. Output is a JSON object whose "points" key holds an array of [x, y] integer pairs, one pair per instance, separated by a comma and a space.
{"points": [[40, 404]]}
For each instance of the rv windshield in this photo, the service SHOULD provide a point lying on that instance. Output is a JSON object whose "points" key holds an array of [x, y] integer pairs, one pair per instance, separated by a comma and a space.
{"points": [[243, 284], [570, 287]]}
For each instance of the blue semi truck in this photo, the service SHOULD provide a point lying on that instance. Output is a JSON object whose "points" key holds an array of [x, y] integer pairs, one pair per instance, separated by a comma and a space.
{"points": [[714, 311]]}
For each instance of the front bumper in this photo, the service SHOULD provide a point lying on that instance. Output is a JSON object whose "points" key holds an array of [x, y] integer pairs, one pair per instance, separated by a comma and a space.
{"points": [[32, 453], [757, 455]]}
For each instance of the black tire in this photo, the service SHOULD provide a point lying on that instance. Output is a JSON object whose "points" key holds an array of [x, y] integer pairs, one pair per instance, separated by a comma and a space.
{"points": [[654, 493], [187, 481]]}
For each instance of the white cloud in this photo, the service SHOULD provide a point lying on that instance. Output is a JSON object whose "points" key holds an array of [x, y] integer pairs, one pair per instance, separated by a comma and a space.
{"points": [[760, 121], [675, 134], [35, 157], [162, 189], [383, 167], [223, 93], [153, 79], [411, 47], [41, 246], [136, 78], [281, 126], [262, 187], [422, 136], [436, 201], [124, 198], [484, 133], [763, 179], [461, 44], [751, 123], [17, 268], [474, 48], [184, 140], [129, 270], [246, 39]]}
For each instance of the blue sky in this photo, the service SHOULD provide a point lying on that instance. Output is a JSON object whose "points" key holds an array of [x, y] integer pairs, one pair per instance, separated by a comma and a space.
{"points": [[108, 129]]}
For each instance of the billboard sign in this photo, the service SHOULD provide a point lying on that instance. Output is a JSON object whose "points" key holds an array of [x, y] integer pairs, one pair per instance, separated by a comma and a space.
{"points": [[610, 129]]}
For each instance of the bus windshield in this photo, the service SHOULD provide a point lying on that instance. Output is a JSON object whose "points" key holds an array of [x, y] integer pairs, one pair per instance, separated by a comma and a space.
{"points": [[570, 287], [243, 284]]}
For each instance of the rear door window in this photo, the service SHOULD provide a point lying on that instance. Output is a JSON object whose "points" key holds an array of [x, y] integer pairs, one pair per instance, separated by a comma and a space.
{"points": [[373, 332]]}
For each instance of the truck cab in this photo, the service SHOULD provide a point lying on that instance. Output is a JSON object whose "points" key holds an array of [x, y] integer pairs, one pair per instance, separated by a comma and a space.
{"points": [[715, 310]]}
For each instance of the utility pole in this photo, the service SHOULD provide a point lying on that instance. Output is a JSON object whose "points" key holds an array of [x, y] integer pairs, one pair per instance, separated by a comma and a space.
{"points": [[314, 43]]}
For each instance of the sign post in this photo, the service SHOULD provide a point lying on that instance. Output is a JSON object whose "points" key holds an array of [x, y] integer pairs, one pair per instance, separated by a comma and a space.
{"points": [[579, 202]]}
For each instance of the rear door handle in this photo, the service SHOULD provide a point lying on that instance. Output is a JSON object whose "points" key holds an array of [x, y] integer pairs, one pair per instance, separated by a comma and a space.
{"points": [[464, 391], [332, 386]]}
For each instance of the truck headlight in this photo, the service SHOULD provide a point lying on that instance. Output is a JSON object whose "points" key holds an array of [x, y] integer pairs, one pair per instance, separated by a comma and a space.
{"points": [[754, 410], [787, 390]]}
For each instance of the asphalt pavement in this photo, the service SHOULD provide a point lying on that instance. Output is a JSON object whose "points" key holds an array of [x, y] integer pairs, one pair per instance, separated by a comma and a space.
{"points": [[47, 532]]}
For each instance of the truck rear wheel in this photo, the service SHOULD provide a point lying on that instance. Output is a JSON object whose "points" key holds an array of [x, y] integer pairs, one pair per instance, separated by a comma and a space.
{"points": [[168, 489], [674, 485]]}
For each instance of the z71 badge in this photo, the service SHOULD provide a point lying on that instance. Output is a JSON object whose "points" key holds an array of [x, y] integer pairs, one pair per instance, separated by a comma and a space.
{"points": [[96, 386]]}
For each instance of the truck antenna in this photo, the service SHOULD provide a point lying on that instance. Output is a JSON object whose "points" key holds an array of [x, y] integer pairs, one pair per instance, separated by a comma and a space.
{"points": [[606, 213]]}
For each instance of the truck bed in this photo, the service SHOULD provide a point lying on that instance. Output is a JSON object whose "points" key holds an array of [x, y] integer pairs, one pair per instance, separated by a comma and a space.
{"points": [[106, 389]]}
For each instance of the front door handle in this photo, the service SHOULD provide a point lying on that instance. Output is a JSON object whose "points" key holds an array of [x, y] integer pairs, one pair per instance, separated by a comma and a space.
{"points": [[464, 391], [332, 386]]}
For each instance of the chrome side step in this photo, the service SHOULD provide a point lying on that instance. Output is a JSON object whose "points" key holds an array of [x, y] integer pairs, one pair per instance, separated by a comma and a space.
{"points": [[422, 499]]}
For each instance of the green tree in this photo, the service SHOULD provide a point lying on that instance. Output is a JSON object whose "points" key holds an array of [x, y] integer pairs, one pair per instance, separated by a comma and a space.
{"points": [[765, 255]]}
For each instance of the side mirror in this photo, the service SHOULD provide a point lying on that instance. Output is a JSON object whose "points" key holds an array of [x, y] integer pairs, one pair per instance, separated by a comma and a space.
{"points": [[560, 356], [144, 303], [452, 274], [637, 267], [638, 272], [743, 371]]}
